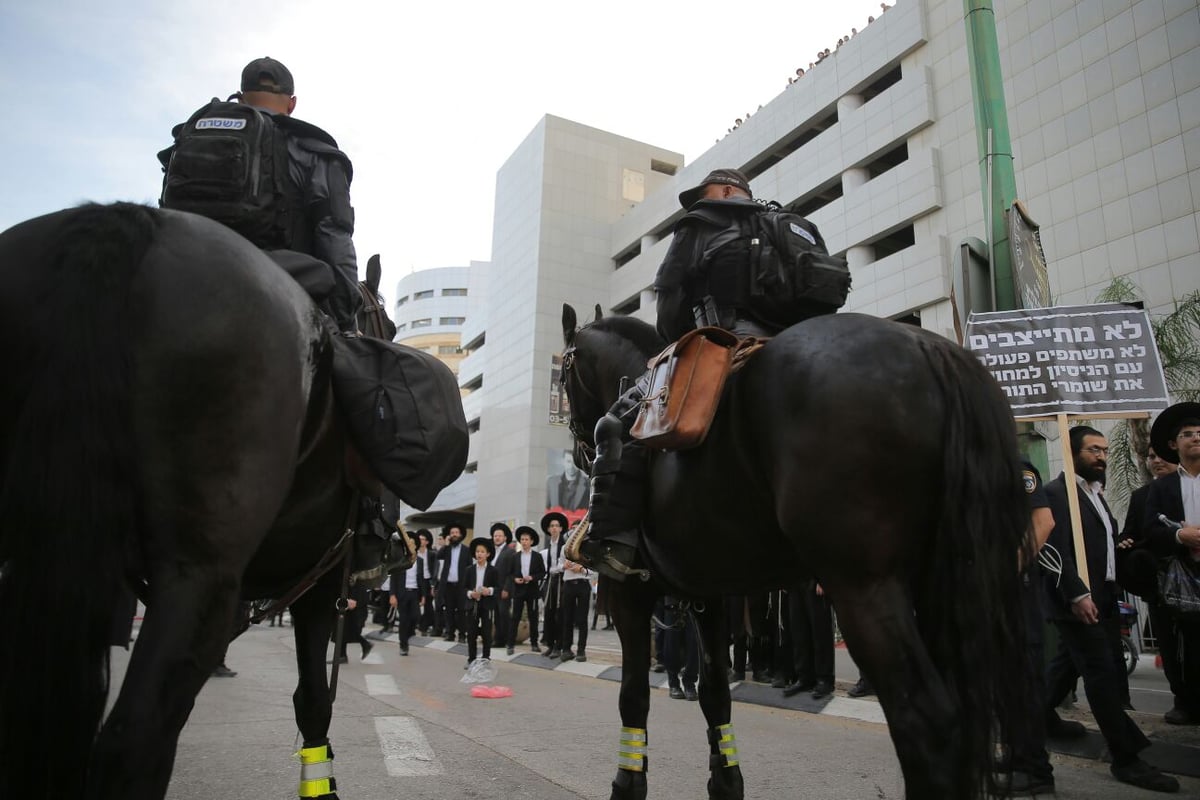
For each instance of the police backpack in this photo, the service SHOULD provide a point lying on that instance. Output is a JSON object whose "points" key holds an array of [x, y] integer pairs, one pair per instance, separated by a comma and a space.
{"points": [[230, 163], [792, 276]]}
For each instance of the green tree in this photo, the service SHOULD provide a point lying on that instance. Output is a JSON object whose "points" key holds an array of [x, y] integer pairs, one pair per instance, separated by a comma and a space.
{"points": [[1177, 335]]}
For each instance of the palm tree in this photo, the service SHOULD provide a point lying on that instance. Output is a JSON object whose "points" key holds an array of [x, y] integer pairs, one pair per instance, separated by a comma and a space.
{"points": [[1177, 335]]}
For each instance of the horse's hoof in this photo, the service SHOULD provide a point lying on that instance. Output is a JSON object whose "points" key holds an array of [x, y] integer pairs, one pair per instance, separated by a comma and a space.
{"points": [[725, 783], [628, 786]]}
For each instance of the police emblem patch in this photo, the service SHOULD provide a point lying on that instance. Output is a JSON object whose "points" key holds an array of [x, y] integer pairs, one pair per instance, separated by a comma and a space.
{"points": [[799, 231], [224, 123], [1030, 481]]}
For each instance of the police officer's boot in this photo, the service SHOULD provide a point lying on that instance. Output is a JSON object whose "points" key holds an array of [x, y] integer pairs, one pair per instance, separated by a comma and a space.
{"points": [[606, 539]]}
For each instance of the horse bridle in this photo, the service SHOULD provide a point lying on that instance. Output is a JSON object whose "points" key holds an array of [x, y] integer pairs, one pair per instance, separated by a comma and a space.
{"points": [[373, 314], [583, 438]]}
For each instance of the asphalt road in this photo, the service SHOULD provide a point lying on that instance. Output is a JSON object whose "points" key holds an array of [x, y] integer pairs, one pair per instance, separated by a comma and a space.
{"points": [[408, 728]]}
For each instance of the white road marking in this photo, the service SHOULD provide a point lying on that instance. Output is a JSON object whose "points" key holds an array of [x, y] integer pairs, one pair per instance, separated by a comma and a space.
{"points": [[864, 710], [406, 751], [441, 644], [589, 668], [379, 685], [373, 658]]}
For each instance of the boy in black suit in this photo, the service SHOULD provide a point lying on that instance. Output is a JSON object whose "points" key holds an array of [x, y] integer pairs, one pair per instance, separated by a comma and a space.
{"points": [[479, 597]]}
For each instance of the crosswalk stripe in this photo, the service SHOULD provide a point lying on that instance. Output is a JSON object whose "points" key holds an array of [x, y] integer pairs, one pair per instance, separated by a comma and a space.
{"points": [[406, 751], [379, 685]]}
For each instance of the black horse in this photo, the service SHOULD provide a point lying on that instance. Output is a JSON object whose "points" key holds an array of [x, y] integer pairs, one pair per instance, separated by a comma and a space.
{"points": [[874, 455], [166, 422]]}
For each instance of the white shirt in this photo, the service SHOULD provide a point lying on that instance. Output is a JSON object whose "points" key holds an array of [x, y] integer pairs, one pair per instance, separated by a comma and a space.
{"points": [[1189, 487], [479, 575], [526, 558], [554, 557], [452, 575], [1092, 492]]}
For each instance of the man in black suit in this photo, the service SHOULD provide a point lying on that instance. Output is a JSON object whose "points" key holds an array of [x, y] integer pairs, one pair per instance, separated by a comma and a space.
{"points": [[479, 590], [408, 589], [1137, 573], [1085, 615], [527, 574], [454, 561], [1175, 436], [502, 560]]}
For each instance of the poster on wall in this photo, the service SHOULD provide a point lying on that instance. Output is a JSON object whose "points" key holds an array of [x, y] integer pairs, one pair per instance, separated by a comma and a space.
{"points": [[560, 406], [567, 486]]}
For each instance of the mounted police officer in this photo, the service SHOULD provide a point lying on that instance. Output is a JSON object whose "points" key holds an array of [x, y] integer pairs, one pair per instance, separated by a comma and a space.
{"points": [[704, 280], [280, 182]]}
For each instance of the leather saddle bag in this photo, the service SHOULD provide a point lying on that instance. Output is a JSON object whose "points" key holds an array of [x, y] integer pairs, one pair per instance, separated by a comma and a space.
{"points": [[686, 381]]}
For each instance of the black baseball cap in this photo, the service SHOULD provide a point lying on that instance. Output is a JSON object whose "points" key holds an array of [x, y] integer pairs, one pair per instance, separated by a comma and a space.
{"points": [[729, 177], [267, 75]]}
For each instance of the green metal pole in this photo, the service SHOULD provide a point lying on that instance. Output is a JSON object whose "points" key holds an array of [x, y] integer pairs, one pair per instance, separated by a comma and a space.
{"points": [[995, 147]]}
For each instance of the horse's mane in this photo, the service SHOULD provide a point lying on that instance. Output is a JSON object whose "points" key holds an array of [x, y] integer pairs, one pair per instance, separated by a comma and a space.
{"points": [[641, 335]]}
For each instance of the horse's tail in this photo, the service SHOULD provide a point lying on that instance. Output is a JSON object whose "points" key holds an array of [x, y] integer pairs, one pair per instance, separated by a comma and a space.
{"points": [[68, 500], [968, 604]]}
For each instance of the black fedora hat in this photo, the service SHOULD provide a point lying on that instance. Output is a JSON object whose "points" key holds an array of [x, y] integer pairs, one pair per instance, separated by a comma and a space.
{"points": [[500, 526], [522, 529], [728, 177], [1163, 431], [426, 533], [486, 542], [550, 517]]}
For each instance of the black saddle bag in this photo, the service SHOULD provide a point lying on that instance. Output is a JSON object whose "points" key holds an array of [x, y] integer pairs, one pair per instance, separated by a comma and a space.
{"points": [[404, 414]]}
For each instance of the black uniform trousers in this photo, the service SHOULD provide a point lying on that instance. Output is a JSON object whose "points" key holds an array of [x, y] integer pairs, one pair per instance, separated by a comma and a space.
{"points": [[1087, 649], [576, 595], [1027, 742]]}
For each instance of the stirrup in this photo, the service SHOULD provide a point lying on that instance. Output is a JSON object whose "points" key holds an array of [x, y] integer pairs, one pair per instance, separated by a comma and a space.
{"points": [[603, 562]]}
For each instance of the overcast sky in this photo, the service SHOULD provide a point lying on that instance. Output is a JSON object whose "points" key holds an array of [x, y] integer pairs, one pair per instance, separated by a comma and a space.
{"points": [[427, 99]]}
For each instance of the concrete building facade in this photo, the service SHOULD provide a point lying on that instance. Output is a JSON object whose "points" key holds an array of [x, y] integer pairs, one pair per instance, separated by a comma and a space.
{"points": [[877, 146]]}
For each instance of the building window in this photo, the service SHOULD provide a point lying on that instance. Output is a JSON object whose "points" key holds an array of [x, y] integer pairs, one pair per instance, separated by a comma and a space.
{"points": [[894, 242], [454, 292], [629, 255], [401, 326], [451, 320], [448, 350], [664, 167], [629, 306], [422, 323], [402, 300], [425, 295]]}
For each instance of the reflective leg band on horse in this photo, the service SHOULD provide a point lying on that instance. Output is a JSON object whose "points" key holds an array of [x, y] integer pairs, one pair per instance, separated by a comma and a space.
{"points": [[316, 771], [631, 752], [722, 739]]}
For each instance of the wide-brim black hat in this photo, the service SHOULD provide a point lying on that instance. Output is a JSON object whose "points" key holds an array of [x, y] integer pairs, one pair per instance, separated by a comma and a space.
{"points": [[486, 542], [426, 533], [550, 517], [500, 526], [527, 529], [1167, 425], [728, 177]]}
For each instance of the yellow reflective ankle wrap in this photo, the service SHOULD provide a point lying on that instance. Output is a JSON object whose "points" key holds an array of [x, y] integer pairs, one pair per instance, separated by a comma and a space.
{"points": [[316, 771], [631, 752], [727, 744]]}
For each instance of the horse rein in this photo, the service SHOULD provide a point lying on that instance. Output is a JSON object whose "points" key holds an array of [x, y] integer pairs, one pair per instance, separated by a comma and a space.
{"points": [[373, 313]]}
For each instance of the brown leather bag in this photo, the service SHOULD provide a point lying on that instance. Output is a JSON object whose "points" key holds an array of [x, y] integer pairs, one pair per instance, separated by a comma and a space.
{"points": [[686, 380]]}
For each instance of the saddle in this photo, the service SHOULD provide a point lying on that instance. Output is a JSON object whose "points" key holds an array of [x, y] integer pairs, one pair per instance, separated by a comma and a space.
{"points": [[685, 384]]}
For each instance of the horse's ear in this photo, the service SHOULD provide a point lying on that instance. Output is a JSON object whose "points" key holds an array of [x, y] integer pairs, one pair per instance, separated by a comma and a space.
{"points": [[374, 273], [568, 323], [599, 313]]}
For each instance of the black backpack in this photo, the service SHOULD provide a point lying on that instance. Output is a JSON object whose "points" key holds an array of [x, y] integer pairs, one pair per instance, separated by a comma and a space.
{"points": [[230, 163], [792, 276]]}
